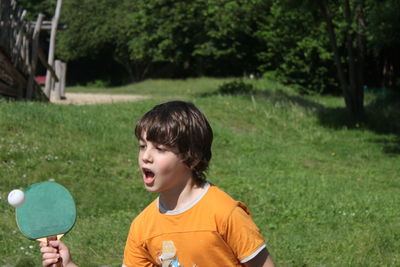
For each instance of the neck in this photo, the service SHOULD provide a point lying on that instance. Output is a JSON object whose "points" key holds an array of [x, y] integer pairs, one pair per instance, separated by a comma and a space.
{"points": [[180, 196]]}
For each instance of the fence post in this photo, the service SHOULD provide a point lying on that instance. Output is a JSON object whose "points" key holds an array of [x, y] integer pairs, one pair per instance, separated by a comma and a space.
{"points": [[34, 58], [57, 85], [50, 59], [63, 79]]}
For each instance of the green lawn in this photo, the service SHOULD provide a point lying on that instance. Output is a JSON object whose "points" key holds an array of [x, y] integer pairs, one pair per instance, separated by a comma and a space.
{"points": [[324, 190]]}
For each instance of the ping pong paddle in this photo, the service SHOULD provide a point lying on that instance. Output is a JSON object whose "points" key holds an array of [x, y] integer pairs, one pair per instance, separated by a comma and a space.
{"points": [[47, 214]]}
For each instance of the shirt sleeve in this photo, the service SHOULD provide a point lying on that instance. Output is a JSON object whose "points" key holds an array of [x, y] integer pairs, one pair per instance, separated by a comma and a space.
{"points": [[242, 234], [135, 254]]}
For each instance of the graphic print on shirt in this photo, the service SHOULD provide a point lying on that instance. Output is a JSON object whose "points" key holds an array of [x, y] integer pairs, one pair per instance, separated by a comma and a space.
{"points": [[168, 255]]}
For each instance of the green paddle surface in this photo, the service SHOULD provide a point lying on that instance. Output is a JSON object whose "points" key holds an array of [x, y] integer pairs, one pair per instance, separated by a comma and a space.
{"points": [[48, 210]]}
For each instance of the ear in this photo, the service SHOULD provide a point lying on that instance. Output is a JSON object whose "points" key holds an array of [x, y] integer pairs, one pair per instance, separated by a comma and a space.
{"points": [[194, 164]]}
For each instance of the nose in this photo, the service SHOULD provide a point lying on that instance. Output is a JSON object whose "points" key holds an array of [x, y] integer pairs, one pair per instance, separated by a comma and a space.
{"points": [[145, 155]]}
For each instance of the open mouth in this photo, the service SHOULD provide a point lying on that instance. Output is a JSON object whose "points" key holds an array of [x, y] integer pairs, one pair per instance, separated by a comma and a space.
{"points": [[148, 176]]}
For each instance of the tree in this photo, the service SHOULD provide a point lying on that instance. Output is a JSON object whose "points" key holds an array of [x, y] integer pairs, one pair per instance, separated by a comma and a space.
{"points": [[196, 37], [296, 49], [383, 42], [161, 37], [306, 43], [230, 41], [164, 33], [34, 7], [354, 36]]}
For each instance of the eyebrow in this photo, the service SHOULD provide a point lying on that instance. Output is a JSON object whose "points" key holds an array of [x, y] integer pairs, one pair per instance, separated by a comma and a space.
{"points": [[141, 140]]}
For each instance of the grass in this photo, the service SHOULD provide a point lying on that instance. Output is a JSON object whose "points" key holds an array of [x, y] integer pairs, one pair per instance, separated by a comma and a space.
{"points": [[324, 190], [159, 88]]}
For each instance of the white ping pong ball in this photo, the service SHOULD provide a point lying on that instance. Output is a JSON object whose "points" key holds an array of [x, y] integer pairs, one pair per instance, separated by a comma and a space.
{"points": [[16, 198]]}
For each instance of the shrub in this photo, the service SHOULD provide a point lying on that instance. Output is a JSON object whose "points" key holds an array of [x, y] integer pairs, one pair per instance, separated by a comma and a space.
{"points": [[236, 88]]}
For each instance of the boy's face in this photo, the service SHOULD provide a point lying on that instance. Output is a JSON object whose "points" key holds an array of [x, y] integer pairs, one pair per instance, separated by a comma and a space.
{"points": [[161, 167]]}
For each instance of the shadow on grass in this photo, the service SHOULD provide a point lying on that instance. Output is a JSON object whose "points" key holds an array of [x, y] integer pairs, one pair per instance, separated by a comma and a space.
{"points": [[277, 97], [382, 115]]}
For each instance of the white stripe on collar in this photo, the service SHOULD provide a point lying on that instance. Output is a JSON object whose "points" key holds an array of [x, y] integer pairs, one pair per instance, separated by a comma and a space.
{"points": [[163, 210]]}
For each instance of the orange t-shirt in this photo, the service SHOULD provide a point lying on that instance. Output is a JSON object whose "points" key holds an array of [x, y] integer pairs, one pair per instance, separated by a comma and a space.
{"points": [[212, 230]]}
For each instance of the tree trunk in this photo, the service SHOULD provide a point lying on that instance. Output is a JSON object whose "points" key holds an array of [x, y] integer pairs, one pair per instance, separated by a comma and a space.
{"points": [[361, 41], [130, 71], [352, 92], [355, 107], [361, 48], [332, 39]]}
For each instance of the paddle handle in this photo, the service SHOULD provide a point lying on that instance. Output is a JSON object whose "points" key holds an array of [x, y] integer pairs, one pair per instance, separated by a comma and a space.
{"points": [[59, 262]]}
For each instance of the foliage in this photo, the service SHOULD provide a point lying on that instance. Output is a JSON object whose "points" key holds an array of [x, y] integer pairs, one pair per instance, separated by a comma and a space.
{"points": [[194, 36], [297, 49], [164, 38], [98, 84], [230, 40], [165, 31], [35, 7], [322, 192], [384, 27], [90, 30], [236, 87], [383, 43]]}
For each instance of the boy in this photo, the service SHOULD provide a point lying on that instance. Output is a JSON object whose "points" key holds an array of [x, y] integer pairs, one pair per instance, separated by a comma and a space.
{"points": [[192, 222]]}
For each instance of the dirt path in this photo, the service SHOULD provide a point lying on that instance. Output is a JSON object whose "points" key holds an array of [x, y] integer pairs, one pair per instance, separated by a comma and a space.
{"points": [[92, 99]]}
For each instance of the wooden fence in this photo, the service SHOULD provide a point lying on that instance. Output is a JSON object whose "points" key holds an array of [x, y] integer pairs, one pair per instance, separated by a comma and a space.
{"points": [[19, 53]]}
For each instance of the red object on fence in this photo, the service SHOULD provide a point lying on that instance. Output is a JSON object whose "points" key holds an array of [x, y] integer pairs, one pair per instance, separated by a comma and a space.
{"points": [[41, 79]]}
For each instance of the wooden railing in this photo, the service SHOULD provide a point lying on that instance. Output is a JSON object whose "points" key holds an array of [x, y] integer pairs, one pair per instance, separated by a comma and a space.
{"points": [[19, 51]]}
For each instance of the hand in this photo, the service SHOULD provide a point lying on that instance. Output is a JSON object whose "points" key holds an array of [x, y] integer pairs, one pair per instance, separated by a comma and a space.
{"points": [[50, 255]]}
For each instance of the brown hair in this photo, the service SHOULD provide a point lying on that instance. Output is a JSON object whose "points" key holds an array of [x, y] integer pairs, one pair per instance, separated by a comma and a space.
{"points": [[180, 125]]}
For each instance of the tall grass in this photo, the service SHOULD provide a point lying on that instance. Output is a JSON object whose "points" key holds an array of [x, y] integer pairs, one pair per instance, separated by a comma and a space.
{"points": [[323, 189]]}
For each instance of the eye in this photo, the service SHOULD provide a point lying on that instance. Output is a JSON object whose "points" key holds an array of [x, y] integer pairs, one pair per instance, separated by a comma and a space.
{"points": [[142, 146], [161, 148]]}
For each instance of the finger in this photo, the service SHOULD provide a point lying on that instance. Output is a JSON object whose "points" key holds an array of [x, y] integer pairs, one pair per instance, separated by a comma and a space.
{"points": [[58, 245], [54, 243], [50, 256], [48, 250], [62, 246], [48, 262]]}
